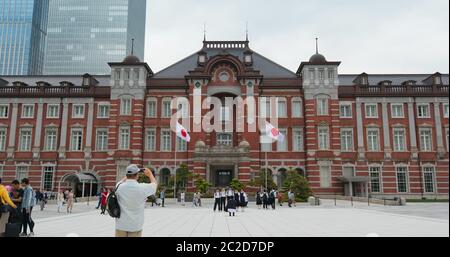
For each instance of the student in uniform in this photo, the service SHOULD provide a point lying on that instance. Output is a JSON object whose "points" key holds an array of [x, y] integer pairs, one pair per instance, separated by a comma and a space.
{"points": [[223, 199], [217, 200], [258, 199], [183, 197], [243, 200], [231, 206], [265, 198]]}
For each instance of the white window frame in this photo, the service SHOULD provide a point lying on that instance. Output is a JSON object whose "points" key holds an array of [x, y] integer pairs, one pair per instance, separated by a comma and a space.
{"points": [[153, 101], [298, 113], [1, 170], [3, 138], [426, 147], [325, 181], [394, 114], [227, 139], [166, 133], [52, 182], [124, 138], [405, 172], [24, 170], [322, 103], [126, 106], [350, 109], [432, 170], [398, 147], [100, 113], [282, 108], [349, 147], [4, 111], [50, 145], [29, 141], [166, 103], [75, 114], [323, 146], [447, 137], [72, 141], [282, 146], [25, 114], [99, 140], [420, 115], [445, 107], [376, 169], [52, 115], [181, 145], [378, 147], [297, 140], [369, 114], [152, 147]]}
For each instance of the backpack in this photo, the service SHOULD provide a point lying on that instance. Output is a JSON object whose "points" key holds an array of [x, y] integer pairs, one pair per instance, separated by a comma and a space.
{"points": [[112, 204]]}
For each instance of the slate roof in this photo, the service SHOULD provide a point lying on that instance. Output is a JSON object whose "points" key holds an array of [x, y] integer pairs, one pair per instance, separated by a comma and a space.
{"points": [[397, 79], [103, 80]]}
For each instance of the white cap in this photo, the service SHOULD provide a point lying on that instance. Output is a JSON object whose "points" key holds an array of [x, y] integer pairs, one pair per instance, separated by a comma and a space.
{"points": [[133, 169]]}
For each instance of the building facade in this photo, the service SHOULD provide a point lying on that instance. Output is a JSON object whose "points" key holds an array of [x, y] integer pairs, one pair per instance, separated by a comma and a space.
{"points": [[84, 35], [23, 32], [383, 135]]}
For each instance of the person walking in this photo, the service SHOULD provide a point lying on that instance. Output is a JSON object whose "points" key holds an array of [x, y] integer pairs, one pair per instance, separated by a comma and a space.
{"points": [[27, 205], [265, 198], [183, 198], [104, 200], [243, 200], [43, 201], [162, 196], [272, 197], [280, 198], [99, 199], [217, 200], [5, 204], [258, 199], [199, 198], [60, 200], [291, 199], [223, 199], [70, 199], [131, 197]]}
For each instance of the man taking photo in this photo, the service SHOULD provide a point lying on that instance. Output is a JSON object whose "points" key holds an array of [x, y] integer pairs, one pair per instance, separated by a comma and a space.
{"points": [[132, 197]]}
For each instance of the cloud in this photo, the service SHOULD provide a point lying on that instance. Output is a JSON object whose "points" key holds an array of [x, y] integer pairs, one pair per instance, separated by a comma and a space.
{"points": [[374, 36]]}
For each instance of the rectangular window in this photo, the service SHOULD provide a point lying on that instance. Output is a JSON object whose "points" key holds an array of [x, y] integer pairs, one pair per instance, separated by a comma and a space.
{"points": [[321, 74], [4, 110], [375, 179], [151, 109], [428, 179], [76, 142], [312, 74], [346, 111], [225, 139], [124, 138], [331, 74], [181, 145], [425, 140], [101, 141], [282, 146], [423, 111], [1, 171], [325, 176], [397, 111], [347, 140], [25, 139], [323, 138], [21, 172], [125, 107], [166, 111], [50, 139], [402, 180], [78, 111], [166, 141], [103, 111], [151, 140], [448, 138], [266, 147], [297, 138], [2, 139], [296, 109], [373, 140], [47, 178], [322, 106], [445, 106], [282, 109], [371, 111], [28, 111], [52, 111], [399, 140]]}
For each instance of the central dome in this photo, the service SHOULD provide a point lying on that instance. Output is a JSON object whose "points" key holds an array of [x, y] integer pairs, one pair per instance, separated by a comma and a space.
{"points": [[318, 59], [131, 59]]}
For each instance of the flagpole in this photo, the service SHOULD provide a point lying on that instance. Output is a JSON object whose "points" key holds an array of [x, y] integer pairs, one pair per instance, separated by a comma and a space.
{"points": [[266, 168], [175, 180]]}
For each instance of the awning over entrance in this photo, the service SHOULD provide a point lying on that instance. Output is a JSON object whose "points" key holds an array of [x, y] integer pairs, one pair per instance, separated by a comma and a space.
{"points": [[83, 178]]}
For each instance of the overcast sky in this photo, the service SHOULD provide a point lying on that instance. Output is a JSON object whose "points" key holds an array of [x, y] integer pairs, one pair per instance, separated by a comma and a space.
{"points": [[373, 36]]}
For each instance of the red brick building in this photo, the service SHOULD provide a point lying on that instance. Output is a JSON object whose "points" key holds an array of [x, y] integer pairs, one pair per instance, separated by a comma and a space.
{"points": [[348, 134]]}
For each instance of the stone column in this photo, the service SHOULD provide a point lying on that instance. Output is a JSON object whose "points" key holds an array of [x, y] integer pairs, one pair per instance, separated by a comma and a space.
{"points": [[63, 138], [438, 123], [38, 132], [89, 129], [360, 130], [12, 133], [386, 131], [412, 130]]}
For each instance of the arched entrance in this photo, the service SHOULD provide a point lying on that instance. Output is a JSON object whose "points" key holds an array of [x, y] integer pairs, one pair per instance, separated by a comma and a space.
{"points": [[301, 172], [164, 176], [82, 184], [282, 175]]}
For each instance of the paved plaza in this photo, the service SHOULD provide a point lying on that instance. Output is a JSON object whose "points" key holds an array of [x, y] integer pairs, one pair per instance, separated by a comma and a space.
{"points": [[327, 220]]}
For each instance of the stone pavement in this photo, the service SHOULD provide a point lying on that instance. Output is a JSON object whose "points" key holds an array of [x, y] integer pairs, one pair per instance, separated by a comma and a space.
{"points": [[414, 220]]}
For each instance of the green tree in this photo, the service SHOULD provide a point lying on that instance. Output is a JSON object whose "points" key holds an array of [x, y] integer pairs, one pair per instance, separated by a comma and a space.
{"points": [[237, 185], [183, 176], [260, 180], [298, 184], [201, 184]]}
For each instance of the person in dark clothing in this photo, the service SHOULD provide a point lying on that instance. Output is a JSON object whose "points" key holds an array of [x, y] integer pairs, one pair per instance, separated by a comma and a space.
{"points": [[231, 206], [258, 200], [265, 198], [272, 199], [243, 200], [223, 200], [236, 198], [217, 201]]}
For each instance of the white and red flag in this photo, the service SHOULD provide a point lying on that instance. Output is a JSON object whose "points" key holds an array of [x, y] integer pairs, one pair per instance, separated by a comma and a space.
{"points": [[273, 132], [182, 133]]}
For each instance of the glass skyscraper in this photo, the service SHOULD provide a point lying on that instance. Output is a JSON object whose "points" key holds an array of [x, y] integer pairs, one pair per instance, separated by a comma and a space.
{"points": [[84, 35], [23, 31]]}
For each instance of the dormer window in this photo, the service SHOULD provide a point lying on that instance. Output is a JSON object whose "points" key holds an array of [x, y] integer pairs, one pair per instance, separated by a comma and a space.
{"points": [[386, 83], [201, 57], [86, 81], [364, 81], [437, 80], [248, 58], [410, 82]]}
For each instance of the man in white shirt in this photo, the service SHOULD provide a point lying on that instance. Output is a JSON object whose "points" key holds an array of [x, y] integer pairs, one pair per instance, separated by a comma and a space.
{"points": [[132, 197], [217, 200]]}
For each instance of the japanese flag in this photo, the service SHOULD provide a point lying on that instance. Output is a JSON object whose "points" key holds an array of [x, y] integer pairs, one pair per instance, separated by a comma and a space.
{"points": [[182, 133], [273, 132]]}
